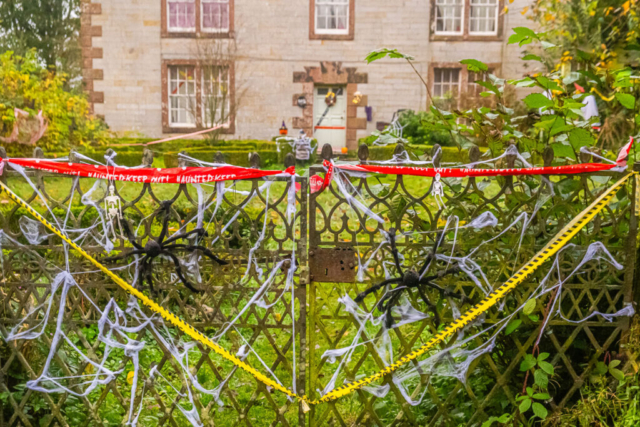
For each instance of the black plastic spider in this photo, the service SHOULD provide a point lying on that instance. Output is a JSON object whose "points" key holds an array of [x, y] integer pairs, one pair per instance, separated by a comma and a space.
{"points": [[411, 279], [156, 247]]}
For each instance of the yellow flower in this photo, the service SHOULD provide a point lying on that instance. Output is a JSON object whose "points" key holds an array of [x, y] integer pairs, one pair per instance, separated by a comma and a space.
{"points": [[278, 316], [525, 10], [506, 9]]}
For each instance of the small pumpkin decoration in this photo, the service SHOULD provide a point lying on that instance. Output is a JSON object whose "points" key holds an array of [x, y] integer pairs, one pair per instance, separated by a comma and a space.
{"points": [[330, 99]]}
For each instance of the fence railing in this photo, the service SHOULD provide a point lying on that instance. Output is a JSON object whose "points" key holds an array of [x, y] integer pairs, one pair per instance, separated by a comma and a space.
{"points": [[333, 241]]}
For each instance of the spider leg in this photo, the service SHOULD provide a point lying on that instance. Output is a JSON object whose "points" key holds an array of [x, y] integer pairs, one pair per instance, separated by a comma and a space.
{"points": [[130, 236], [166, 208], [199, 231], [431, 305], [394, 250], [183, 279], [361, 296], [453, 270], [142, 268], [123, 255], [432, 255], [443, 291], [204, 250], [391, 301], [149, 275]]}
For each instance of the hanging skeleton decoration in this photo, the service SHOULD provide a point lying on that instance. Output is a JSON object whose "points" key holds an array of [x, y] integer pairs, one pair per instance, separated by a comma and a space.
{"points": [[163, 247], [438, 192], [412, 279], [113, 208]]}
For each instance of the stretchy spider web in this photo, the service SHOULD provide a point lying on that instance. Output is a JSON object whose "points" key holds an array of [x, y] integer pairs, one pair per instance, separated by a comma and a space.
{"points": [[117, 326], [126, 333]]}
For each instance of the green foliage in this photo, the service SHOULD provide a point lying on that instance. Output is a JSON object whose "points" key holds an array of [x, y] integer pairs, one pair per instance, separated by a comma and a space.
{"points": [[51, 27], [449, 154], [536, 395], [383, 53], [594, 43], [538, 100], [502, 419], [26, 85]]}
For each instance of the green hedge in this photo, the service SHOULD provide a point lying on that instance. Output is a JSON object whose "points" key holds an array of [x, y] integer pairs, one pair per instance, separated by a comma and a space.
{"points": [[233, 157], [235, 152], [120, 145], [449, 154]]}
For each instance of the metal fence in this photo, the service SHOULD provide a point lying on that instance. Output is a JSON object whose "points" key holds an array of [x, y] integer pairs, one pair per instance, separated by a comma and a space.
{"points": [[338, 237], [330, 238]]}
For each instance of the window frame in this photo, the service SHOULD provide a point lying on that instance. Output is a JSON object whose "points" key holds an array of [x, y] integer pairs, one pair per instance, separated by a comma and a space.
{"points": [[214, 31], [195, 96], [449, 83], [199, 31], [183, 29], [463, 87], [466, 34], [202, 91], [322, 34], [167, 127], [449, 33], [486, 33]]}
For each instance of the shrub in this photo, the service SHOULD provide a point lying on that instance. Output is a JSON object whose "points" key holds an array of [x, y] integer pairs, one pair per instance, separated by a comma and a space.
{"points": [[415, 131], [26, 85], [449, 154]]}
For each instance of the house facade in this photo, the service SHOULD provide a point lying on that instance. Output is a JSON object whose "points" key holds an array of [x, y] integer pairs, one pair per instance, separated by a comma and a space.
{"points": [[159, 67]]}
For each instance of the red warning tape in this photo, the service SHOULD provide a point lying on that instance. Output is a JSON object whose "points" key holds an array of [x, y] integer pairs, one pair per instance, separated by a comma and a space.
{"points": [[183, 175], [468, 172]]}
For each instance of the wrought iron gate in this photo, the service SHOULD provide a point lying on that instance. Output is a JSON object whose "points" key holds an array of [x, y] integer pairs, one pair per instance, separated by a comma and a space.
{"points": [[338, 239]]}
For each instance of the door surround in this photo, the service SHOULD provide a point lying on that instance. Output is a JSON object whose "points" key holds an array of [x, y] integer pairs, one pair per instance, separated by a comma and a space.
{"points": [[331, 73]]}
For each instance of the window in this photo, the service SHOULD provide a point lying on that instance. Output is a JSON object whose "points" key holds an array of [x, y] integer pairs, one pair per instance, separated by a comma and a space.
{"points": [[473, 88], [332, 16], [446, 82], [197, 94], [215, 15], [182, 15], [216, 100], [466, 20], [449, 16], [483, 17], [182, 96], [456, 87], [197, 18], [331, 19]]}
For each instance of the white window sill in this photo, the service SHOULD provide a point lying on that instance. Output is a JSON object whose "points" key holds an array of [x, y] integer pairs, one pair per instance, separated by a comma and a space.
{"points": [[333, 32], [182, 30], [447, 33]]}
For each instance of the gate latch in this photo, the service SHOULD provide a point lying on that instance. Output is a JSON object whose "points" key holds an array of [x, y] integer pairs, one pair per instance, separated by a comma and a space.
{"points": [[333, 265]]}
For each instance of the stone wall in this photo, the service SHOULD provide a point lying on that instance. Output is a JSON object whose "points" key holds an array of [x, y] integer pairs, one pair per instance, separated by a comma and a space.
{"points": [[272, 45]]}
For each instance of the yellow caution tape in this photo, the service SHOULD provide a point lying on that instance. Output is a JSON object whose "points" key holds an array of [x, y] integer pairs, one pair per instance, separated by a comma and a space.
{"points": [[561, 239], [167, 315]]}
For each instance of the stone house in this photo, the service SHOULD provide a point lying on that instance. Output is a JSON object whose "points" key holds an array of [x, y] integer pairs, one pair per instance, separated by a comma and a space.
{"points": [[281, 60]]}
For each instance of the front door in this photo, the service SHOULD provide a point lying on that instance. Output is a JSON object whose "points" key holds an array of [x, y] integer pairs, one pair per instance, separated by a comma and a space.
{"points": [[330, 122]]}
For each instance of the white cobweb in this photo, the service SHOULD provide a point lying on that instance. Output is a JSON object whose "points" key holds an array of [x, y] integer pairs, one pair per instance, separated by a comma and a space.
{"points": [[116, 326], [455, 360]]}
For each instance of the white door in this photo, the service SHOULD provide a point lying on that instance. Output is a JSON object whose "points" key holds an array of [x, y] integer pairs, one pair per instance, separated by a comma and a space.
{"points": [[330, 123]]}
